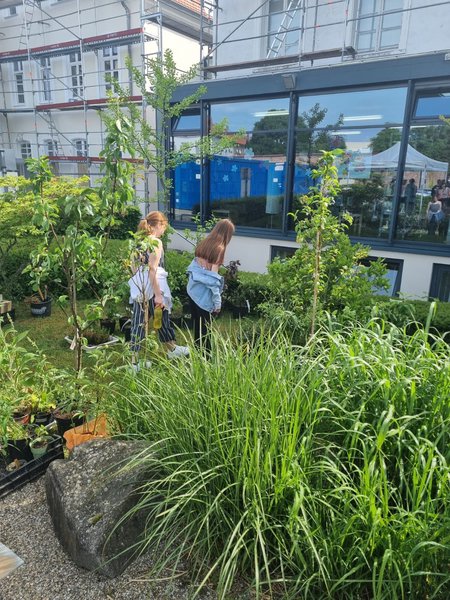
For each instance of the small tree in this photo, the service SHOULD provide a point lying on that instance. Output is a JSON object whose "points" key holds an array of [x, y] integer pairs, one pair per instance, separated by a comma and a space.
{"points": [[152, 143], [325, 273], [72, 250]]}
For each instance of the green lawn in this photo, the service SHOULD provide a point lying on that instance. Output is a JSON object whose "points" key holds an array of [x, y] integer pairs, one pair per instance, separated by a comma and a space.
{"points": [[48, 332]]}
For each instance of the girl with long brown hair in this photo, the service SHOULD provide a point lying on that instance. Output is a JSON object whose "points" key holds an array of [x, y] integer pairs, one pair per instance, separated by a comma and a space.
{"points": [[205, 285]]}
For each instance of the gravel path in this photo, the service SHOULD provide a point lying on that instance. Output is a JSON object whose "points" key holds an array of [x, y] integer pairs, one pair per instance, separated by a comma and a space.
{"points": [[49, 574]]}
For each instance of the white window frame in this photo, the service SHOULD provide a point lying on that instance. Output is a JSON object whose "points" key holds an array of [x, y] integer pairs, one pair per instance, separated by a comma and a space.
{"points": [[25, 149], [75, 70], [110, 65], [18, 82], [80, 147], [46, 78], [381, 8], [284, 50], [51, 148]]}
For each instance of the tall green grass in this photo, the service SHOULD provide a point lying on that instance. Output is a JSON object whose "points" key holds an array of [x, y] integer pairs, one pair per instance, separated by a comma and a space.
{"points": [[315, 472]]}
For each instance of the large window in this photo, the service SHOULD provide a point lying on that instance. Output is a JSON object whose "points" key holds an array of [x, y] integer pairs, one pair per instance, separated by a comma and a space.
{"points": [[424, 208], [46, 76], [187, 176], [283, 27], [76, 76], [379, 24], [19, 81], [356, 122], [247, 182], [110, 66]]}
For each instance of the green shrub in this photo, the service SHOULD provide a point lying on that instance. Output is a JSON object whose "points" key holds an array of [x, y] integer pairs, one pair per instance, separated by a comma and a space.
{"points": [[315, 473], [176, 264]]}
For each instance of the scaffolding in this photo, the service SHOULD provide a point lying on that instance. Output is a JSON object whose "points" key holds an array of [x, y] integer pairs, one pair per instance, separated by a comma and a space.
{"points": [[62, 119], [325, 32]]}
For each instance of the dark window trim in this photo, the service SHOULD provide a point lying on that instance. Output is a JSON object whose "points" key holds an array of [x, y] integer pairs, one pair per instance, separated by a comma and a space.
{"points": [[395, 262], [274, 248], [436, 274]]}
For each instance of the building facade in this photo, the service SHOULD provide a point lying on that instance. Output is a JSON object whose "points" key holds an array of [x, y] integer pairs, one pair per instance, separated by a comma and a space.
{"points": [[294, 77], [56, 57]]}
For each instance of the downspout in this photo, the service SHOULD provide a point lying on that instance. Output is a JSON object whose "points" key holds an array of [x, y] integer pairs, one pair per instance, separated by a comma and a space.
{"points": [[128, 16]]}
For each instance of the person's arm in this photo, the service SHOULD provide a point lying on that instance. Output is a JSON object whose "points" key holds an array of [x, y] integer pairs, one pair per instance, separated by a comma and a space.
{"points": [[153, 263]]}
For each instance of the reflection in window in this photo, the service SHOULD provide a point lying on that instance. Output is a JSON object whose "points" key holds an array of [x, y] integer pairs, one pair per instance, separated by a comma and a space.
{"points": [[424, 209], [377, 27], [367, 179], [440, 283], [270, 114], [247, 182], [356, 109], [394, 270], [434, 106], [283, 27]]}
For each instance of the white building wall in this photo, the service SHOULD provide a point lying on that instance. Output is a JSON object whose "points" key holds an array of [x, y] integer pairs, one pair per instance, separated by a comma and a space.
{"points": [[327, 26], [254, 255]]}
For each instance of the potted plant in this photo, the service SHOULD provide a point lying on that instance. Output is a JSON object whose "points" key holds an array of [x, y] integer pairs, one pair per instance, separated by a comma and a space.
{"points": [[96, 336], [70, 408], [42, 406], [41, 302], [40, 441], [17, 442]]}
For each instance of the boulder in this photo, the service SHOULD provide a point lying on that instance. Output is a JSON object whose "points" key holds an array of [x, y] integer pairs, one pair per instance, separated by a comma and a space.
{"points": [[87, 498]]}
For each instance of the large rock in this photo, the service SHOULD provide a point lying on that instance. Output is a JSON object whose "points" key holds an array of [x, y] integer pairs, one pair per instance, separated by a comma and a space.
{"points": [[87, 497]]}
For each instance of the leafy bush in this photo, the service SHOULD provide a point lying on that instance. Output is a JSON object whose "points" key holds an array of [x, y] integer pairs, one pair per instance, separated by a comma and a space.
{"points": [[176, 264], [317, 472]]}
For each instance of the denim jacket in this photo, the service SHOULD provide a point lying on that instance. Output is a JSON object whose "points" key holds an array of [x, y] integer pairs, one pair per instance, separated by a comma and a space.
{"points": [[204, 287]]}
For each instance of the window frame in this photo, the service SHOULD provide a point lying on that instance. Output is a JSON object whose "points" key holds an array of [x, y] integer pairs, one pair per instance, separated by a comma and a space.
{"points": [[436, 274], [112, 57], [19, 82], [75, 73], [28, 153], [377, 17]]}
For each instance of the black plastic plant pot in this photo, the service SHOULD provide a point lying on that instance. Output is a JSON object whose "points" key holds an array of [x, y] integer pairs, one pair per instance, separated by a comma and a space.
{"points": [[42, 418], [127, 333], [123, 322], [239, 311], [64, 423], [41, 309], [7, 317], [109, 325], [19, 449]]}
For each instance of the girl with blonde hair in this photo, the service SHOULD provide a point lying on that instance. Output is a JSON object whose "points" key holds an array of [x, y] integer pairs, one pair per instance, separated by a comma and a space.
{"points": [[205, 285], [157, 290]]}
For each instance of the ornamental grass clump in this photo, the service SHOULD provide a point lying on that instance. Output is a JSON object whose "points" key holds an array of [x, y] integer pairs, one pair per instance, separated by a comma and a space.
{"points": [[316, 472]]}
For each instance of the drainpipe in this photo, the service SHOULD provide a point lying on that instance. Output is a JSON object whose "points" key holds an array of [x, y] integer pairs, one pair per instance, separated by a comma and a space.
{"points": [[128, 16]]}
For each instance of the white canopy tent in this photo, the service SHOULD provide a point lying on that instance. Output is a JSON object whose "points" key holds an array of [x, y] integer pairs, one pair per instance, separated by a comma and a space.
{"points": [[415, 160]]}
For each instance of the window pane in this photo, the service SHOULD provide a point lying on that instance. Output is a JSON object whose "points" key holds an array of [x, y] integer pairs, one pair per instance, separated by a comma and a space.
{"points": [[390, 38], [392, 20], [365, 41], [186, 183], [353, 109], [268, 114], [443, 283], [367, 7], [424, 209], [434, 106], [366, 181], [188, 122], [247, 183]]}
